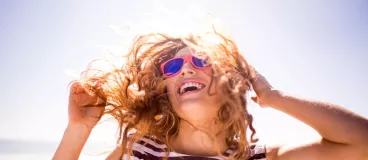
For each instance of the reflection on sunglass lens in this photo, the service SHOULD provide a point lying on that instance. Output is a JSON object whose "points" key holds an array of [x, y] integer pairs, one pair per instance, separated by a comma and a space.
{"points": [[173, 66], [201, 62]]}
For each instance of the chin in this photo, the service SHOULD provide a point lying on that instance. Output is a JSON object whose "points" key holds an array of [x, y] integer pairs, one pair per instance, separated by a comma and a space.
{"points": [[195, 111]]}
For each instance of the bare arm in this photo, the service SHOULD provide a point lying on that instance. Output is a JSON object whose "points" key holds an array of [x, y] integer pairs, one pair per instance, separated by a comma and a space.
{"points": [[72, 143], [344, 133], [331, 121]]}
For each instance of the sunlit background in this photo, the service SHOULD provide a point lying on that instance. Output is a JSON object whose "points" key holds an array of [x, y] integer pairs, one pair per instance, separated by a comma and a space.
{"points": [[310, 48]]}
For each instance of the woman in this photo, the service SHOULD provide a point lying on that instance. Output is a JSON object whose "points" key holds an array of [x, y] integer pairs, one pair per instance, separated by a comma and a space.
{"points": [[185, 98]]}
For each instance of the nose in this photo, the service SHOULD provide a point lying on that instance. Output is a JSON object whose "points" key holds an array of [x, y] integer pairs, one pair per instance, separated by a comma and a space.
{"points": [[187, 70]]}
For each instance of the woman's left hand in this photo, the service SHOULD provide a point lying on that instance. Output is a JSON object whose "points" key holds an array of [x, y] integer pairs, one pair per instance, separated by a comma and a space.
{"points": [[264, 90]]}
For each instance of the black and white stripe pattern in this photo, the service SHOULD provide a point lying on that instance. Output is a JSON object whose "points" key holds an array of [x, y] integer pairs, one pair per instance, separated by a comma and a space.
{"points": [[149, 148]]}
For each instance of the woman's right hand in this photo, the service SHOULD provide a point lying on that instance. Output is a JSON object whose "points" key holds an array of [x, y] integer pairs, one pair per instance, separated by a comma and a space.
{"points": [[84, 109]]}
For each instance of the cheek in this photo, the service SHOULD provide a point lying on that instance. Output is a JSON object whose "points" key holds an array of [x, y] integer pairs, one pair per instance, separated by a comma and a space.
{"points": [[172, 96], [171, 89], [208, 72], [171, 86]]}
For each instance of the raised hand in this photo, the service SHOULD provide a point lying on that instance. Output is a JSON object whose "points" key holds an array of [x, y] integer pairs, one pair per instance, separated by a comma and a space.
{"points": [[84, 108], [265, 92]]}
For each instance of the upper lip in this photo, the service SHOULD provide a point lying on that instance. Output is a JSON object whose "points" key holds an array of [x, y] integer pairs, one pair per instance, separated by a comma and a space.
{"points": [[189, 80]]}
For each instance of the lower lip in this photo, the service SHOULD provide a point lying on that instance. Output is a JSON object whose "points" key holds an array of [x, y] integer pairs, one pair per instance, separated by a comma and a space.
{"points": [[190, 92]]}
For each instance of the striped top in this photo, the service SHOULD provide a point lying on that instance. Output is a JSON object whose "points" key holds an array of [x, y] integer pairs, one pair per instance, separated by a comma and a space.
{"points": [[153, 149]]}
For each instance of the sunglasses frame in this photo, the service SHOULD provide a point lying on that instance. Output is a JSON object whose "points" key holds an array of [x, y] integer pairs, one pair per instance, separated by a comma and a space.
{"points": [[185, 59]]}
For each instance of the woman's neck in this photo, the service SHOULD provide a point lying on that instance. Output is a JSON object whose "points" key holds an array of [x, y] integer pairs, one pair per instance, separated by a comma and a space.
{"points": [[201, 140]]}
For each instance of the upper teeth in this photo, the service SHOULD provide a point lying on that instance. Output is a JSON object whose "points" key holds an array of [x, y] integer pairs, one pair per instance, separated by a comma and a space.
{"points": [[190, 84]]}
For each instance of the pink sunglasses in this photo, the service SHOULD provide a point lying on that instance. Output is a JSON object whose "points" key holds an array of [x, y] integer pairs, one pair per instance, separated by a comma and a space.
{"points": [[174, 65]]}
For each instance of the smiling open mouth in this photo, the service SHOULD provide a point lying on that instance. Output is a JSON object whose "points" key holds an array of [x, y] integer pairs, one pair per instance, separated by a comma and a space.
{"points": [[190, 87]]}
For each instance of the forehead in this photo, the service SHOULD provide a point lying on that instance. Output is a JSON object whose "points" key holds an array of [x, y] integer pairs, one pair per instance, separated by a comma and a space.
{"points": [[185, 51]]}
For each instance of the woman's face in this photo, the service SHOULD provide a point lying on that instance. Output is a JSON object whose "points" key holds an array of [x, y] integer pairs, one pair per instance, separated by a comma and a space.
{"points": [[188, 91]]}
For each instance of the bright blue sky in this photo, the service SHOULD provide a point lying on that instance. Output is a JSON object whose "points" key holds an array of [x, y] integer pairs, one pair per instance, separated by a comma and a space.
{"points": [[315, 49]]}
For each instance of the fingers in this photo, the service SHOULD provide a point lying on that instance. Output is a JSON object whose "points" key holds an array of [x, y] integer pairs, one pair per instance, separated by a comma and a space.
{"points": [[79, 95], [257, 74], [76, 88], [85, 99], [259, 80]]}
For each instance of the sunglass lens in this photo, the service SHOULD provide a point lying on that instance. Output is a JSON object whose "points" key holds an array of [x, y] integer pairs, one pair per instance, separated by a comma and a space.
{"points": [[201, 62], [173, 66]]}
